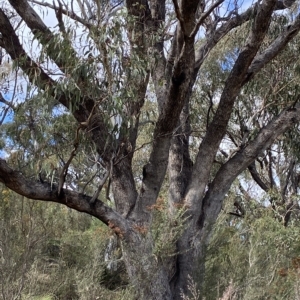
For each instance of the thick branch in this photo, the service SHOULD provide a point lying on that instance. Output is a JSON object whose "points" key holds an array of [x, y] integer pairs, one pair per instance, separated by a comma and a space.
{"points": [[10, 42], [276, 46], [256, 177], [97, 126], [158, 12], [270, 170], [180, 163], [41, 31], [287, 179], [179, 16], [218, 34], [233, 85], [154, 171], [224, 29], [35, 190], [237, 164]]}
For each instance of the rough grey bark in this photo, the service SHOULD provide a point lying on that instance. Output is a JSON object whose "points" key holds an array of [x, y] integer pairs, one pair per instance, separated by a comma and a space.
{"points": [[211, 142], [174, 78], [180, 163]]}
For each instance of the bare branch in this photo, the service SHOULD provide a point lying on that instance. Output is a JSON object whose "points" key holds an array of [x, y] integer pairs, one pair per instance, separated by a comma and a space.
{"points": [[42, 32], [69, 13], [212, 202], [287, 179], [82, 8], [101, 184], [233, 85], [276, 46], [253, 171], [61, 24], [224, 29], [35, 190], [204, 15], [64, 171], [179, 16], [5, 112], [270, 170], [8, 103], [10, 42]]}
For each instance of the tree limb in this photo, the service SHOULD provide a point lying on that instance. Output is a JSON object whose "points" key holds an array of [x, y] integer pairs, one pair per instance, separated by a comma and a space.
{"points": [[42, 32], [4, 114], [224, 29], [287, 179], [179, 16], [213, 200], [35, 190], [10, 42], [64, 172], [158, 12], [67, 12], [154, 171], [270, 170], [256, 177], [204, 15], [276, 46], [217, 128], [101, 184]]}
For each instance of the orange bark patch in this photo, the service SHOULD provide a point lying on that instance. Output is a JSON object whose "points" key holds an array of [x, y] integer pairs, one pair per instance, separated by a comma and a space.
{"points": [[115, 229], [159, 205], [140, 229]]}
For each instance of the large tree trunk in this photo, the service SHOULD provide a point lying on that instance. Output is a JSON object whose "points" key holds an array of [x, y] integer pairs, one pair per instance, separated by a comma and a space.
{"points": [[190, 185], [147, 273]]}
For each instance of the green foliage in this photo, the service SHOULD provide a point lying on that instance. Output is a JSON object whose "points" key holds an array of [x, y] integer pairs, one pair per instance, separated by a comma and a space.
{"points": [[51, 252], [48, 252], [166, 230], [256, 255]]}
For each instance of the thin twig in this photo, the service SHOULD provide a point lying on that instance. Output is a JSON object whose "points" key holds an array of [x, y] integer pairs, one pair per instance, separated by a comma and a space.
{"points": [[107, 174], [203, 16], [64, 171], [66, 12]]}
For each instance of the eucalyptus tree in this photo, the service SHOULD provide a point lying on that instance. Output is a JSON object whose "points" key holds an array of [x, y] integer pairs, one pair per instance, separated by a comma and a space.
{"points": [[101, 67]]}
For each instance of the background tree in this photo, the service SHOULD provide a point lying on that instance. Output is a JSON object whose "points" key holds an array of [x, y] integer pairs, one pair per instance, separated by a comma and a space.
{"points": [[110, 71]]}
